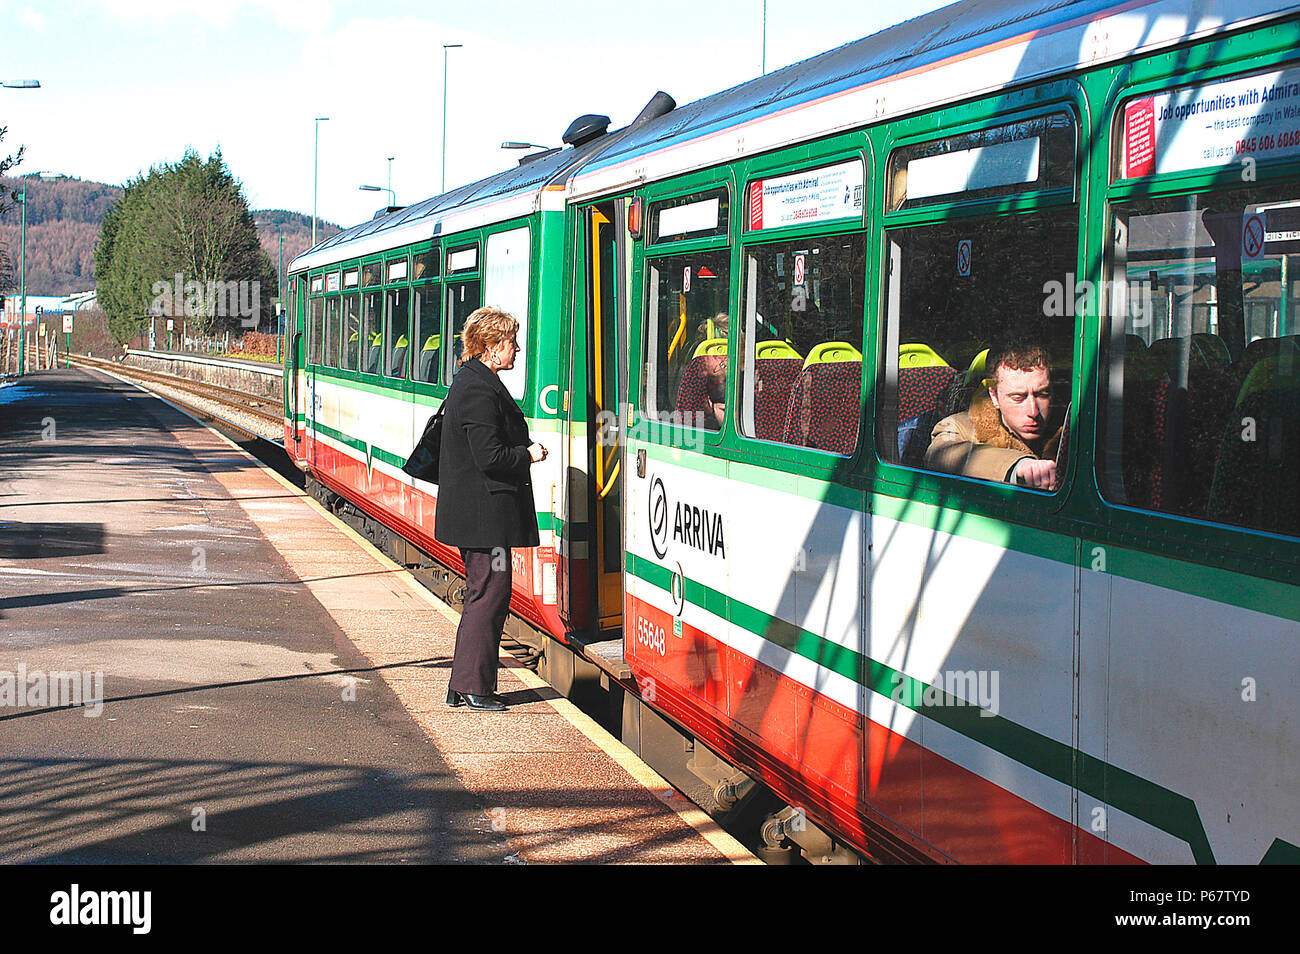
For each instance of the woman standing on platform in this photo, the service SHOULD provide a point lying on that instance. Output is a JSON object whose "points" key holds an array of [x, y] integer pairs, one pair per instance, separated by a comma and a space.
{"points": [[485, 498]]}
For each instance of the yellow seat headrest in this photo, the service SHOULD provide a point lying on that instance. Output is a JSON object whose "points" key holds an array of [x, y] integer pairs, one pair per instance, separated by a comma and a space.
{"points": [[829, 351]]}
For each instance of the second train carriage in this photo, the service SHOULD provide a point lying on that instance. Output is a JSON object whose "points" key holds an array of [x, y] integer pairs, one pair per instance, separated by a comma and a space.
{"points": [[743, 316]]}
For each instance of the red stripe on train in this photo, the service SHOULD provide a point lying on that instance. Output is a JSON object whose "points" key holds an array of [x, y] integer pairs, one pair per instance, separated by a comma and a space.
{"points": [[865, 776]]}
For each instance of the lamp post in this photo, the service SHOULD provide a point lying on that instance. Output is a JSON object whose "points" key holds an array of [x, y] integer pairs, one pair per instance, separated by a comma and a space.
{"points": [[315, 177], [392, 196], [390, 178], [445, 48], [22, 275]]}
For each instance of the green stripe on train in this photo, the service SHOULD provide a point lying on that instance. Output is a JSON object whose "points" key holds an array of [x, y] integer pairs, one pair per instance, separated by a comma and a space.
{"points": [[1256, 594], [1157, 806], [545, 519]]}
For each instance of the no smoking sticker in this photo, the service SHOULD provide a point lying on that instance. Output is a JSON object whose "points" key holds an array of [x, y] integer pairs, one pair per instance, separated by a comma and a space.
{"points": [[1252, 236], [963, 258]]}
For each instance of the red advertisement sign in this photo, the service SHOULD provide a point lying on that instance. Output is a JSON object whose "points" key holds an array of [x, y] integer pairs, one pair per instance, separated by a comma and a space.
{"points": [[1139, 138]]}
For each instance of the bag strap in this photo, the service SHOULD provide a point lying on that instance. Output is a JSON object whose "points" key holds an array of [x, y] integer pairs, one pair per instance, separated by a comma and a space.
{"points": [[437, 416]]}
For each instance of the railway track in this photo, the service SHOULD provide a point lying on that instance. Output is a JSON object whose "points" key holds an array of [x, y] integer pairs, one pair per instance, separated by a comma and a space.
{"points": [[243, 401]]}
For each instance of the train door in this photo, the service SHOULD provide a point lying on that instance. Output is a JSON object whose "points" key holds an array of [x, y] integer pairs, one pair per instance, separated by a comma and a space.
{"points": [[315, 325], [593, 589], [293, 362]]}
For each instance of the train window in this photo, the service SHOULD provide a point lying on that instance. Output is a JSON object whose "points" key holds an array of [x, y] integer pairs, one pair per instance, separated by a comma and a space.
{"points": [[424, 265], [397, 269], [317, 285], [396, 337], [371, 274], [372, 331], [462, 259], [684, 377], [315, 329], [330, 355], [959, 293], [505, 275], [350, 278], [1202, 359], [428, 332], [690, 217], [800, 374], [351, 330], [1034, 155], [462, 300]]}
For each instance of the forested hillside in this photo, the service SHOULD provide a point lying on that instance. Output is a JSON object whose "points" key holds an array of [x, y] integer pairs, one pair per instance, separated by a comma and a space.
{"points": [[64, 217]]}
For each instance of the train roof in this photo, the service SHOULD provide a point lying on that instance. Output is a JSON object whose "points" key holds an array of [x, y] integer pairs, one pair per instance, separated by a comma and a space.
{"points": [[525, 178], [949, 34]]}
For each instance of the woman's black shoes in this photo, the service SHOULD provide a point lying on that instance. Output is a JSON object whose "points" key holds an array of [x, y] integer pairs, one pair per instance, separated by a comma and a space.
{"points": [[489, 703]]}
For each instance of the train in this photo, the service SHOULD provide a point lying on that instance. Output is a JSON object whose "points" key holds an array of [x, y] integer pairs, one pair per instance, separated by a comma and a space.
{"points": [[744, 319]]}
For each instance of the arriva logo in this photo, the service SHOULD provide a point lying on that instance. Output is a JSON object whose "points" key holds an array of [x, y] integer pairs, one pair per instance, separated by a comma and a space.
{"points": [[659, 517], [693, 526]]}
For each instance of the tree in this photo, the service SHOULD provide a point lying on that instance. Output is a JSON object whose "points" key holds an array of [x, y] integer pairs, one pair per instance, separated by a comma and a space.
{"points": [[7, 198], [182, 242]]}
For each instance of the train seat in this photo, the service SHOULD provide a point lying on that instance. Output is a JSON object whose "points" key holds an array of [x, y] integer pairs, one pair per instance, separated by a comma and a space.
{"points": [[1211, 349], [429, 357], [1254, 479], [714, 346], [374, 354], [825, 404], [918, 355], [776, 349], [397, 366], [693, 401], [1152, 471], [832, 352], [774, 380], [923, 395]]}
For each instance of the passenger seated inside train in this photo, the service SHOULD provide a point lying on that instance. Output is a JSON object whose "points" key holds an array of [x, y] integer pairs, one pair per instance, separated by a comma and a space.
{"points": [[715, 389], [1006, 433]]}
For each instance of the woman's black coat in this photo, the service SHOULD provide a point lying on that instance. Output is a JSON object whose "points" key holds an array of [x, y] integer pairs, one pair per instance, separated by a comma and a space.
{"points": [[485, 496]]}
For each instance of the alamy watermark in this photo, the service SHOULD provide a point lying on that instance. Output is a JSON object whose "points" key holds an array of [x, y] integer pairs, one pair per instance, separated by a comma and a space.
{"points": [[1065, 299], [955, 688], [53, 690], [686, 430], [210, 299]]}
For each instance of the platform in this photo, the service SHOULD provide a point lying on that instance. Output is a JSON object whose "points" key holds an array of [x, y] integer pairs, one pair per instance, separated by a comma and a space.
{"points": [[272, 686]]}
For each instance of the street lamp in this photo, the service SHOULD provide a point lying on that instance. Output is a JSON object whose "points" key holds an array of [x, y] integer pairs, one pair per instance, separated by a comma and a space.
{"points": [[315, 177], [22, 267], [445, 48], [392, 196], [22, 317]]}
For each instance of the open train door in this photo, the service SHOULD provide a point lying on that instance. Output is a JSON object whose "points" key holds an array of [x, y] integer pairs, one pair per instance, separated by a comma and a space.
{"points": [[293, 363], [591, 579]]}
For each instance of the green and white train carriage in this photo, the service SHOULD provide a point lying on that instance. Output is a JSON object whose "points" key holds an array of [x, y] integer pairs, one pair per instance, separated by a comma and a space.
{"points": [[751, 311]]}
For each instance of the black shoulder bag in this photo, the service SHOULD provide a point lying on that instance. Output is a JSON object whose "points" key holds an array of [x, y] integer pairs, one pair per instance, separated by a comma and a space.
{"points": [[423, 462]]}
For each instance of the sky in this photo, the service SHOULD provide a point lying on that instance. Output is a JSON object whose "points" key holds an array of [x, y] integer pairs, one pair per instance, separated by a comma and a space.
{"points": [[127, 84]]}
